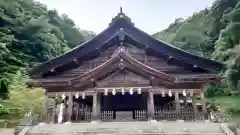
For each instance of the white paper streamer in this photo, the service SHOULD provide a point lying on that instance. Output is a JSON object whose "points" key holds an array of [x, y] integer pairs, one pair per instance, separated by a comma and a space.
{"points": [[63, 96], [83, 95], [77, 95], [184, 93], [163, 93], [106, 92], [139, 91], [170, 94], [123, 91], [114, 91], [131, 91]]}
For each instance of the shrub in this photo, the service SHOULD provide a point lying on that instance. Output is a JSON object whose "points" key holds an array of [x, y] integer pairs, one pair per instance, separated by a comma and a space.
{"points": [[219, 89], [3, 110]]}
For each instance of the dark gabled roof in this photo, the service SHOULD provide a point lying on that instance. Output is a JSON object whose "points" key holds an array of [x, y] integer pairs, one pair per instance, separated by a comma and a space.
{"points": [[121, 28]]}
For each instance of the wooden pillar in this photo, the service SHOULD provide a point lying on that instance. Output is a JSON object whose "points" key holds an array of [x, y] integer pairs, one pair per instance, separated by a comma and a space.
{"points": [[70, 106], [53, 118], [77, 111], [185, 98], [203, 101], [194, 101], [45, 103], [150, 101], [177, 101], [96, 106]]}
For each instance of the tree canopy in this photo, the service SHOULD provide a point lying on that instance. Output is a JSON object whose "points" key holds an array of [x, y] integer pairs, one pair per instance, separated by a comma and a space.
{"points": [[212, 33], [30, 34]]}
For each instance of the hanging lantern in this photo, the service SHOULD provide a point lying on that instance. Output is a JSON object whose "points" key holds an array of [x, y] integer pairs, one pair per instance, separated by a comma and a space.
{"points": [[63, 96], [77, 95], [170, 94], [114, 91], [163, 94], [131, 91], [184, 93], [122, 91], [139, 90], [105, 91], [83, 95]]}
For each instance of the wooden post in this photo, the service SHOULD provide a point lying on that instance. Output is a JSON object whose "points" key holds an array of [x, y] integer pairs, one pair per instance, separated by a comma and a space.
{"points": [[194, 101], [77, 111], [70, 106], [53, 120], [45, 103], [177, 102], [96, 107], [150, 101], [185, 101], [203, 103]]}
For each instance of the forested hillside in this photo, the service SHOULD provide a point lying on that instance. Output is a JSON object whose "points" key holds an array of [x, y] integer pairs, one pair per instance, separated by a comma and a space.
{"points": [[212, 33], [30, 34]]}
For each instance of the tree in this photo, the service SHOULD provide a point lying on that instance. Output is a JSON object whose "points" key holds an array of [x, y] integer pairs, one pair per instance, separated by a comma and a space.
{"points": [[227, 44], [31, 34]]}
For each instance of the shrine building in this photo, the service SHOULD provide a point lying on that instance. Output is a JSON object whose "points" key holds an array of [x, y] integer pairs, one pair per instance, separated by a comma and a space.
{"points": [[122, 74]]}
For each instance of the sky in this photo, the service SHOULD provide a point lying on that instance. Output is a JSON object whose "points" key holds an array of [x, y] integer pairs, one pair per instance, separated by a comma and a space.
{"points": [[149, 15]]}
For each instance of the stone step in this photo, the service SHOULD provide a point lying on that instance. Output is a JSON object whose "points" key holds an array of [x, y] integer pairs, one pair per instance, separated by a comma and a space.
{"points": [[121, 128]]}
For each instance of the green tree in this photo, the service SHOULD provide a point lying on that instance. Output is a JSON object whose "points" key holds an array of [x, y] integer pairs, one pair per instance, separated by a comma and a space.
{"points": [[227, 44], [31, 34]]}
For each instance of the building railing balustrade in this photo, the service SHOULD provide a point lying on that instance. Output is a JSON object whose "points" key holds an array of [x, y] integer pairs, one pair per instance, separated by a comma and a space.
{"points": [[137, 115], [107, 115]]}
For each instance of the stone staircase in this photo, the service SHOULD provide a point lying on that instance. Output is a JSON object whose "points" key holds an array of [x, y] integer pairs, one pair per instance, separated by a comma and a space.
{"points": [[129, 128]]}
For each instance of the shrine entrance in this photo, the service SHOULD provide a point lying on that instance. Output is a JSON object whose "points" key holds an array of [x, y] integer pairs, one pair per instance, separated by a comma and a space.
{"points": [[125, 106]]}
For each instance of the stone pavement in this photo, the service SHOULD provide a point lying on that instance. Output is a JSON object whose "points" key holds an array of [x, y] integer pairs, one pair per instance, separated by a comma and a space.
{"points": [[133, 128], [9, 131]]}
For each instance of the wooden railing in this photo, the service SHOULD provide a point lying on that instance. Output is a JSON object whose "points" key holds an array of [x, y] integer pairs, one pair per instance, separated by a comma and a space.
{"points": [[82, 115], [163, 114], [141, 115], [106, 115]]}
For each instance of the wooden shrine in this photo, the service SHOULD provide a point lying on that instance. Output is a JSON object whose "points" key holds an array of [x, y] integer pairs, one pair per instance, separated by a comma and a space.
{"points": [[125, 74]]}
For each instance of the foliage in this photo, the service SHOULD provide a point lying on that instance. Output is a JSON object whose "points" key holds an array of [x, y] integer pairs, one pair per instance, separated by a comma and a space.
{"points": [[23, 98], [227, 44], [211, 33], [30, 34], [217, 90], [3, 110], [214, 34], [190, 34]]}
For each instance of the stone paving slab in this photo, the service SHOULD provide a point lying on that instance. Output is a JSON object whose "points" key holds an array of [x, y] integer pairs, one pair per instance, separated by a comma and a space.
{"points": [[7, 131], [115, 127]]}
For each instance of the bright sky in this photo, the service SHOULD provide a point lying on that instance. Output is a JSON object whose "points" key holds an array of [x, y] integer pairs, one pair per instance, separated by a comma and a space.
{"points": [[149, 15]]}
